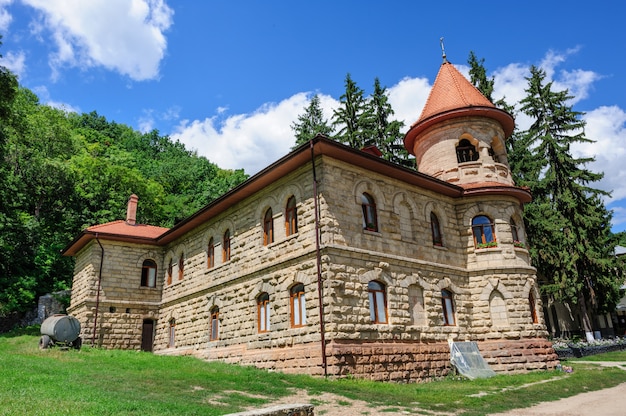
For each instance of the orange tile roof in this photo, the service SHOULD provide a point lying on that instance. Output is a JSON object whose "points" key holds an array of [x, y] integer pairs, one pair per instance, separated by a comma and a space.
{"points": [[454, 96], [122, 228], [452, 91]]}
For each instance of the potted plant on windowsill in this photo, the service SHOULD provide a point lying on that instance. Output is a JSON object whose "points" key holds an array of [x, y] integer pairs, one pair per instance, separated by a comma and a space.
{"points": [[519, 244], [490, 244]]}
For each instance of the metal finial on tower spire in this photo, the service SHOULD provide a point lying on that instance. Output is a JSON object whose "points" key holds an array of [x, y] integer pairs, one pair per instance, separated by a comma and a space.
{"points": [[443, 51]]}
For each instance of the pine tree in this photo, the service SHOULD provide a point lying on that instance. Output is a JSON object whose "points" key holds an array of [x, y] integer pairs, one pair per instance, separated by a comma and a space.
{"points": [[311, 123], [478, 76], [353, 117], [567, 224], [385, 134]]}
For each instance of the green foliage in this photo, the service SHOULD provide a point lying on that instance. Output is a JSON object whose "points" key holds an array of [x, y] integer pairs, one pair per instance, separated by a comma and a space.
{"points": [[64, 172], [567, 223], [352, 117], [311, 123], [383, 132]]}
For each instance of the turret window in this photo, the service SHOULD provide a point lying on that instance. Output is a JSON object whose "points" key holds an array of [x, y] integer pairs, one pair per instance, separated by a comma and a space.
{"points": [[466, 152], [482, 228]]}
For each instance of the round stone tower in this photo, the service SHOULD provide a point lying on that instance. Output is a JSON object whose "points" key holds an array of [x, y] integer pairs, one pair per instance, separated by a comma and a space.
{"points": [[459, 137]]}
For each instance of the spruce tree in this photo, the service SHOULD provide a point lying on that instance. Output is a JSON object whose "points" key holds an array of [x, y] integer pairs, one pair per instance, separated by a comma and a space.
{"points": [[353, 118], [567, 224], [311, 123], [382, 131]]}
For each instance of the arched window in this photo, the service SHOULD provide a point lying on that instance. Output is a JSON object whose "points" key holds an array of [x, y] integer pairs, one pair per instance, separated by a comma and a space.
{"points": [[181, 266], [172, 334], [378, 302], [291, 217], [263, 312], [370, 222], [210, 254], [435, 230], [215, 324], [533, 308], [170, 268], [268, 227], [226, 246], [298, 306], [148, 273], [466, 152], [482, 229], [514, 232], [447, 304]]}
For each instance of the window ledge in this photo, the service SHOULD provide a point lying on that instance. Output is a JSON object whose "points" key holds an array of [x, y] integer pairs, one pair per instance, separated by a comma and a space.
{"points": [[371, 232]]}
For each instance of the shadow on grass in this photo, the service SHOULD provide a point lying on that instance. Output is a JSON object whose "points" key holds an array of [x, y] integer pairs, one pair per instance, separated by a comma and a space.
{"points": [[18, 332]]}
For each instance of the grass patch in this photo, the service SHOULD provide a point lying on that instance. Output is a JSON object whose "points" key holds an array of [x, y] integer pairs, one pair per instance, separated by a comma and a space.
{"points": [[608, 356], [112, 382]]}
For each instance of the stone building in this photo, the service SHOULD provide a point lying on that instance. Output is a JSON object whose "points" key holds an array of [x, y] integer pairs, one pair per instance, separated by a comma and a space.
{"points": [[335, 261]]}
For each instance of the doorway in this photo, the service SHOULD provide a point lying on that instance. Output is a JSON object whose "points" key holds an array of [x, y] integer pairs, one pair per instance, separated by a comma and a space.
{"points": [[147, 335]]}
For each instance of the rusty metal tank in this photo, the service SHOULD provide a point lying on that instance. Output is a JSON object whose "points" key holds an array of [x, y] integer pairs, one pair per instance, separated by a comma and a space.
{"points": [[62, 329]]}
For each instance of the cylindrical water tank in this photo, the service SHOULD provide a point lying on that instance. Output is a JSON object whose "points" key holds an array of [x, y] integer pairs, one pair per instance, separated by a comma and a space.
{"points": [[61, 328]]}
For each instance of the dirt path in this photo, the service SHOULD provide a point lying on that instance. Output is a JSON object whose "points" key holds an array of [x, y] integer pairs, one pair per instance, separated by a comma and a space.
{"points": [[607, 402]]}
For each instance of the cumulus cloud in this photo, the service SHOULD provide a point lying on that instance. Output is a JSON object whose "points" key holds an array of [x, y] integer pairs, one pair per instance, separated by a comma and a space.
{"points": [[255, 140], [606, 126], [44, 97], [119, 35], [246, 140], [5, 16], [15, 62]]}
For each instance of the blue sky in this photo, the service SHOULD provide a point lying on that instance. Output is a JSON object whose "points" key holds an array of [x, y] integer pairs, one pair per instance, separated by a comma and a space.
{"points": [[228, 78]]}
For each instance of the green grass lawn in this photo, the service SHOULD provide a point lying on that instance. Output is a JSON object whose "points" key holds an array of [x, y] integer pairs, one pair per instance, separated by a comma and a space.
{"points": [[110, 382]]}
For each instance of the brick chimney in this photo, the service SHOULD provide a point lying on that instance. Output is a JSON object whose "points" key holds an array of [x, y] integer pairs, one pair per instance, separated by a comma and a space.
{"points": [[131, 210]]}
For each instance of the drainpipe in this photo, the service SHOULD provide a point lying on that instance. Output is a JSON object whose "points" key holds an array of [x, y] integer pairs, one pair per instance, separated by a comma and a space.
{"points": [[95, 320], [320, 290]]}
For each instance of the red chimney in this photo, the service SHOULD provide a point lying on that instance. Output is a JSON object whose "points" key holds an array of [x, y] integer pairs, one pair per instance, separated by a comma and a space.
{"points": [[131, 211]]}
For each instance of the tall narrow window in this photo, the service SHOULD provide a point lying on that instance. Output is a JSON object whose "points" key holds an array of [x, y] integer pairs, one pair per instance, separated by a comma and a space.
{"points": [[210, 254], [172, 334], [226, 246], [466, 152], [170, 268], [181, 266], [378, 302], [268, 227], [482, 230], [514, 232], [298, 306], [533, 308], [263, 312], [148, 273], [447, 304], [370, 222], [291, 217], [215, 324], [435, 230]]}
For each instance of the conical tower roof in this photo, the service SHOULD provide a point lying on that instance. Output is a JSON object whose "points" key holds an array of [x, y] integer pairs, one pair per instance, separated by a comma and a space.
{"points": [[454, 96]]}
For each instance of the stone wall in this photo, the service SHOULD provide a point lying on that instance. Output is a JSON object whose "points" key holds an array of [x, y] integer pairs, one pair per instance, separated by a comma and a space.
{"points": [[491, 287]]}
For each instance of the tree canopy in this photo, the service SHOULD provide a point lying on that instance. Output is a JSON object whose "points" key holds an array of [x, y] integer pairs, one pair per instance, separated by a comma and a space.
{"points": [[62, 172]]}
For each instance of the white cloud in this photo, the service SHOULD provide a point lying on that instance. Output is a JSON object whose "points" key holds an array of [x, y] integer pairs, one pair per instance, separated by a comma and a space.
{"points": [[5, 17], [44, 98], [407, 98], [606, 126], [119, 35], [15, 62], [252, 141]]}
